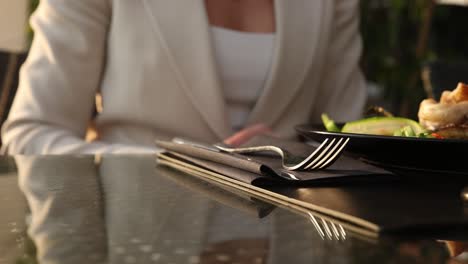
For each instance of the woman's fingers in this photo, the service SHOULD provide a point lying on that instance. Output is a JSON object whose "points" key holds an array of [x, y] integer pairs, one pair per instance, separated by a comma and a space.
{"points": [[244, 135]]}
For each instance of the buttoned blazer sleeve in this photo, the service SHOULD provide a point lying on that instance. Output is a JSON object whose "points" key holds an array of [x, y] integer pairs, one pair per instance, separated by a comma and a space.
{"points": [[342, 92], [59, 80]]}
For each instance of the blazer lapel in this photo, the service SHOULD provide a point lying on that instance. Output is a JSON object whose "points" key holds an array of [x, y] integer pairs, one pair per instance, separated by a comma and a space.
{"points": [[183, 28], [298, 25]]}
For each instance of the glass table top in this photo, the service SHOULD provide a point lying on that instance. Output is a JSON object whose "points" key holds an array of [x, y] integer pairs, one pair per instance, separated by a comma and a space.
{"points": [[128, 209]]}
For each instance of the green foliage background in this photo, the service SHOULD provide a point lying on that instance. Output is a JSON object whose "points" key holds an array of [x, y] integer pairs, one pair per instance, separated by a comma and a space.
{"points": [[34, 4], [392, 30]]}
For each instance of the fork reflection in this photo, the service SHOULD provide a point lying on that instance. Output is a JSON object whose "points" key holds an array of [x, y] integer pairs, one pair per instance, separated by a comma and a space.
{"points": [[330, 231]]}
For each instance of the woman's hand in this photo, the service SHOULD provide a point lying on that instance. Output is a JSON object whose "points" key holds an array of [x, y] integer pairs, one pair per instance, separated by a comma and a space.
{"points": [[245, 134]]}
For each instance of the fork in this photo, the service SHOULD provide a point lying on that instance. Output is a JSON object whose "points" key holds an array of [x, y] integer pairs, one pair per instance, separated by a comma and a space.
{"points": [[331, 231], [279, 172], [323, 156]]}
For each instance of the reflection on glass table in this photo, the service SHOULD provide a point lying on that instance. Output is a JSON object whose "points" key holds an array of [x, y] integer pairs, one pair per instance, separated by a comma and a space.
{"points": [[126, 209]]}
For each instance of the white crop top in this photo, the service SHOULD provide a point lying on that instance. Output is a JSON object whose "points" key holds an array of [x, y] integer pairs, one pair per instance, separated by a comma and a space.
{"points": [[243, 61]]}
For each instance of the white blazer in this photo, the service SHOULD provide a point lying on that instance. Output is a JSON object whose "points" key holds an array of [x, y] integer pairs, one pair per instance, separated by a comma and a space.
{"points": [[152, 61]]}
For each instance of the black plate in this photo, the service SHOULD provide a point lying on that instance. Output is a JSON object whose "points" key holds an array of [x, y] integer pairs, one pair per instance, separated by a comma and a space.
{"points": [[401, 154]]}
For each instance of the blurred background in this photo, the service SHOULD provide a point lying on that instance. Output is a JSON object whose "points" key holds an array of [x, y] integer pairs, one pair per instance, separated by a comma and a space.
{"points": [[412, 49]]}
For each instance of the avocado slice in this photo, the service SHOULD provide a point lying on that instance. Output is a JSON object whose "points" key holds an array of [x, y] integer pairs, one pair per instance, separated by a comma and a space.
{"points": [[386, 126]]}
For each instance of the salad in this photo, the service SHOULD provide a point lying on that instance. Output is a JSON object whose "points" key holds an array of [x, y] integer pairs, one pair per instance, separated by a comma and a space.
{"points": [[446, 118], [381, 125]]}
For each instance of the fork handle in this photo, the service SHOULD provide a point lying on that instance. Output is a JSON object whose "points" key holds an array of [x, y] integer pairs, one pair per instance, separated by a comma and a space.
{"points": [[214, 148], [248, 149], [195, 144]]}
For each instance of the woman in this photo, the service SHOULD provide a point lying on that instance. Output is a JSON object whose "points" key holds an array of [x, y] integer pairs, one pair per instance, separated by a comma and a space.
{"points": [[197, 69]]}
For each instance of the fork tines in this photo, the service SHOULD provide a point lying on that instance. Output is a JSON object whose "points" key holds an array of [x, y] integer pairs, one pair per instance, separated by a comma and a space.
{"points": [[331, 230], [324, 156]]}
